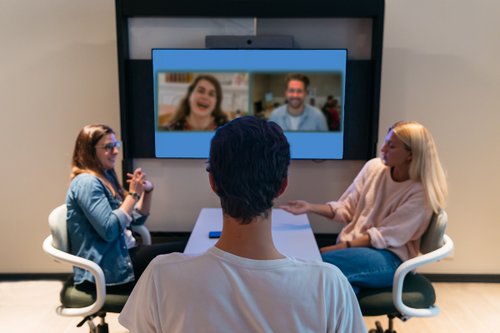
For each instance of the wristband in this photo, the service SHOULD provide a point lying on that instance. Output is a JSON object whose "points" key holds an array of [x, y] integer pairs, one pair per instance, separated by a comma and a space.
{"points": [[134, 195]]}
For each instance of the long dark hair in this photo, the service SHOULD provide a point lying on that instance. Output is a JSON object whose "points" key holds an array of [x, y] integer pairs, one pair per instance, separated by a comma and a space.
{"points": [[179, 119]]}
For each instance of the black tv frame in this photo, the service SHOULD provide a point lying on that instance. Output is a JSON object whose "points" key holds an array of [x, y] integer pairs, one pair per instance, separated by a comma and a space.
{"points": [[362, 83]]}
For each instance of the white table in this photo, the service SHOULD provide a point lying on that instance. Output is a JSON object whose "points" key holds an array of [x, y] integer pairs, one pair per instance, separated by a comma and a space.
{"points": [[292, 234]]}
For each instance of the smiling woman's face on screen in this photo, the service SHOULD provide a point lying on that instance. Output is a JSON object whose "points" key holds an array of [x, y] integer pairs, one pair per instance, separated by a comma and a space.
{"points": [[203, 99]]}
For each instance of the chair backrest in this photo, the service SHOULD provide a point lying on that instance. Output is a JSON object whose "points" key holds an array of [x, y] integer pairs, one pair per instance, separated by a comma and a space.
{"points": [[59, 229], [433, 238]]}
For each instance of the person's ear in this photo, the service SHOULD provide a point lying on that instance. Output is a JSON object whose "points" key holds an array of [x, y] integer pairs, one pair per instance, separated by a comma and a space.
{"points": [[283, 187], [212, 182]]}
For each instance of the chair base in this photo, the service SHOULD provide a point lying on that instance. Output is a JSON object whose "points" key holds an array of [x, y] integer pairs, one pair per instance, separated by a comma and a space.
{"points": [[102, 327], [379, 329]]}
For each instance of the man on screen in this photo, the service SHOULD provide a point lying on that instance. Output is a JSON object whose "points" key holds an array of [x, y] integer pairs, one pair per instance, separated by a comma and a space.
{"points": [[243, 283], [296, 115]]}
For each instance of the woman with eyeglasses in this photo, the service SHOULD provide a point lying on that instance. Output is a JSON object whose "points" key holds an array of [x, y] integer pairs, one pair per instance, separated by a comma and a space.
{"points": [[386, 209], [100, 212]]}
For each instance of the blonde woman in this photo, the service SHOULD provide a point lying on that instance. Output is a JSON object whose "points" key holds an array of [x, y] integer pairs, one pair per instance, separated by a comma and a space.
{"points": [[386, 209]]}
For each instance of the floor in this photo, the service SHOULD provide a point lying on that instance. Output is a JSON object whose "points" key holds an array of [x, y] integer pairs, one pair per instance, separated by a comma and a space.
{"points": [[29, 306]]}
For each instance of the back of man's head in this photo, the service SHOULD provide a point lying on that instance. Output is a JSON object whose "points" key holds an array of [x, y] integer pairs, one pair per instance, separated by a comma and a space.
{"points": [[249, 160]]}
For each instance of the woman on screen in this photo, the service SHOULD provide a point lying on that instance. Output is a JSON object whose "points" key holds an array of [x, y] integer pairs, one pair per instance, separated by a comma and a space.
{"points": [[100, 212], [200, 109], [386, 209]]}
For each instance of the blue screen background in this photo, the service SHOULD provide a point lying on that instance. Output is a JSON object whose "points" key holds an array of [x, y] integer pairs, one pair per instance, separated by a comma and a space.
{"points": [[304, 145]]}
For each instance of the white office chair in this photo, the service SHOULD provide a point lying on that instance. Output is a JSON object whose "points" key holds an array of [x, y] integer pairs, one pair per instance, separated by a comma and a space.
{"points": [[412, 295], [76, 302]]}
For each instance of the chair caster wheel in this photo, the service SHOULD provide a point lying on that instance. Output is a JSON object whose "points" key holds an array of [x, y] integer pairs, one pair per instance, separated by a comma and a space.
{"points": [[378, 329], [102, 328]]}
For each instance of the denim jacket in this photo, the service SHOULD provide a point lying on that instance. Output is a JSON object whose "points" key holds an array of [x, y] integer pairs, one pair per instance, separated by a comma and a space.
{"points": [[96, 228]]}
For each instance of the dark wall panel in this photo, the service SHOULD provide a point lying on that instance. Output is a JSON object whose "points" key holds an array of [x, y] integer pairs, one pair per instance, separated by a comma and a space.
{"points": [[363, 77], [252, 8], [140, 108]]}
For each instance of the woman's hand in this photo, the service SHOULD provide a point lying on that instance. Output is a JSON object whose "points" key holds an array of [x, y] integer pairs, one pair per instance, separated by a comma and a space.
{"points": [[139, 184], [136, 181], [329, 248], [296, 207], [361, 241]]}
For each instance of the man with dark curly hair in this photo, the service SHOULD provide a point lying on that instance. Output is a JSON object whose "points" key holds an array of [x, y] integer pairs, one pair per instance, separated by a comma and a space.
{"points": [[243, 283]]}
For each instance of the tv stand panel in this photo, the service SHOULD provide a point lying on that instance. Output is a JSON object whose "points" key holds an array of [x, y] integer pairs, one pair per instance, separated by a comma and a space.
{"points": [[356, 25]]}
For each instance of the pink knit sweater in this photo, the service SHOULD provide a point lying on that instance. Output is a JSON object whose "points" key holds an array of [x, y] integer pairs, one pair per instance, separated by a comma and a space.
{"points": [[394, 214]]}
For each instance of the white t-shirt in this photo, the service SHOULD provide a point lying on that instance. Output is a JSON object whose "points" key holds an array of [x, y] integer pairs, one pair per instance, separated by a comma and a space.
{"points": [[220, 292], [295, 121]]}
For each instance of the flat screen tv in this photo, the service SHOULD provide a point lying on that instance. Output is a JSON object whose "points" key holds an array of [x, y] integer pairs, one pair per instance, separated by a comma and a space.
{"points": [[197, 90]]}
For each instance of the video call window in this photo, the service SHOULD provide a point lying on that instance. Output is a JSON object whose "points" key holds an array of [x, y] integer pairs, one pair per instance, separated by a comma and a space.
{"points": [[198, 90], [181, 95]]}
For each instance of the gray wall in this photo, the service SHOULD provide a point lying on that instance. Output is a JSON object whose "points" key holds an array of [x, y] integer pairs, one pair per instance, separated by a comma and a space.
{"points": [[58, 72]]}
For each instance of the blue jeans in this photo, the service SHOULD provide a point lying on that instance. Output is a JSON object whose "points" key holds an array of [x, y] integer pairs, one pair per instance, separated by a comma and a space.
{"points": [[365, 267]]}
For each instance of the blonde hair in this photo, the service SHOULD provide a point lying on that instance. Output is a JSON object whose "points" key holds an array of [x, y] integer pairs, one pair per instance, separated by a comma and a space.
{"points": [[84, 156], [425, 166]]}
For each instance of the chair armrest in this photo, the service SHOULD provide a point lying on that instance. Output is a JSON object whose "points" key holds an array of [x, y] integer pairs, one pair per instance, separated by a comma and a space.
{"points": [[88, 265], [408, 266], [143, 231]]}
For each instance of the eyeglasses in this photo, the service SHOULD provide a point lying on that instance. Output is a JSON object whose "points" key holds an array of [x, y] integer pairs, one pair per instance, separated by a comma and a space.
{"points": [[109, 147]]}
